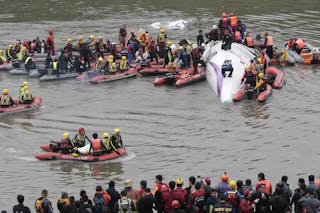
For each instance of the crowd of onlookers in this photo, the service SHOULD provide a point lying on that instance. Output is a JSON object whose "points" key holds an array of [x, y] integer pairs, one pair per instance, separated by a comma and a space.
{"points": [[198, 197]]}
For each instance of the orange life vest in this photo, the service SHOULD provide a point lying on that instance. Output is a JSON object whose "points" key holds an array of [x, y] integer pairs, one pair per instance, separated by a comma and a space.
{"points": [[249, 41], [233, 21], [300, 43], [96, 145], [269, 41]]}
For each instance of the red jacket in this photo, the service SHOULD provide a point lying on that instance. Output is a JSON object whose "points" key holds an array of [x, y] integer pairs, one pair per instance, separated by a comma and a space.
{"points": [[245, 207], [167, 199], [194, 195]]}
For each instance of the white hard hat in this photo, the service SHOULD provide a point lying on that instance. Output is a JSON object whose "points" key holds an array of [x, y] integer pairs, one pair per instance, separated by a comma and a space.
{"points": [[214, 27]]}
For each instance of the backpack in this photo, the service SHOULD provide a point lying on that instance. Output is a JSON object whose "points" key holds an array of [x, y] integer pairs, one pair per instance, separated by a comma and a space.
{"points": [[199, 203], [124, 205], [98, 203], [39, 205]]}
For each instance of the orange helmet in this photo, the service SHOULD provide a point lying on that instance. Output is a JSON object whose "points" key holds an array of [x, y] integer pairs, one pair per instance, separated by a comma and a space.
{"points": [[224, 178]]}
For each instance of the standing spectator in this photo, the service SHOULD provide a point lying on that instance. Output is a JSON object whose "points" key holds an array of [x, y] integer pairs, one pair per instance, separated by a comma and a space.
{"points": [[20, 208], [145, 204]]}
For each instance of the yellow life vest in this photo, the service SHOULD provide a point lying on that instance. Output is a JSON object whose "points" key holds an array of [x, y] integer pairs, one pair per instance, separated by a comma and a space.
{"points": [[55, 65], [26, 96], [3, 58], [20, 91], [5, 100], [106, 143], [8, 54], [123, 65], [112, 67], [20, 55], [27, 60], [162, 37]]}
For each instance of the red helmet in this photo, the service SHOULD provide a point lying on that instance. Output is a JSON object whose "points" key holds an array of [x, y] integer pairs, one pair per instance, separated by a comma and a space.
{"points": [[266, 33], [175, 204], [81, 130]]}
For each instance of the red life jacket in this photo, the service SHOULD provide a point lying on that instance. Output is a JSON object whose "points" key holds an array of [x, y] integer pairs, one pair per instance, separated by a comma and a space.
{"points": [[224, 22], [96, 145], [249, 41], [233, 198], [237, 36], [65, 144], [300, 43], [196, 53], [290, 44]]}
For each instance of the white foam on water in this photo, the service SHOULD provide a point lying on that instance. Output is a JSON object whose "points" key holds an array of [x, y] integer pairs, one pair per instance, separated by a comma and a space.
{"points": [[11, 150], [5, 125], [27, 158]]}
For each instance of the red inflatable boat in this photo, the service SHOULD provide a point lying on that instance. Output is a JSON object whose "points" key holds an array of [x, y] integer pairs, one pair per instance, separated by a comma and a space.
{"points": [[83, 157], [261, 97], [275, 77], [21, 107], [131, 72], [182, 78]]}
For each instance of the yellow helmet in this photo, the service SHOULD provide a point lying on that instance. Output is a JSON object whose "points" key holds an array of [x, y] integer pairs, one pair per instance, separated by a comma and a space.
{"points": [[66, 135], [69, 40], [116, 130], [261, 75], [110, 60], [80, 38], [5, 92], [26, 87], [10, 46], [233, 184], [105, 135], [1, 52], [246, 68], [162, 30], [180, 48], [91, 37], [111, 56], [124, 57], [179, 181], [128, 183], [169, 43], [100, 59], [24, 49], [25, 83]]}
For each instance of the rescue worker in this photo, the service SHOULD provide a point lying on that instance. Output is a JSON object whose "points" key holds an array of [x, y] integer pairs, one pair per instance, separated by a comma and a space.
{"points": [[249, 76], [96, 145], [227, 40], [100, 47], [290, 43], [22, 54], [222, 206], [5, 99], [131, 36], [184, 57], [125, 204], [10, 53], [20, 208], [153, 51], [245, 205], [91, 45], [196, 58], [69, 45], [100, 65], [116, 139], [197, 202], [261, 86], [106, 144], [241, 28], [122, 36], [233, 196], [223, 186], [112, 68], [268, 43], [233, 22], [299, 45], [79, 65], [214, 34], [223, 24], [283, 57], [168, 57], [161, 42], [63, 201], [2, 57], [176, 207], [26, 96], [263, 61], [130, 51], [79, 139], [144, 39], [65, 144], [179, 193], [200, 38], [29, 64], [42, 204], [55, 67], [124, 64], [133, 194], [248, 41], [50, 42]]}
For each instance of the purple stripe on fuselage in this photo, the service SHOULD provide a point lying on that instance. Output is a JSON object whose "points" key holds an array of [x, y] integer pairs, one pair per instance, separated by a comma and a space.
{"points": [[219, 77]]}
